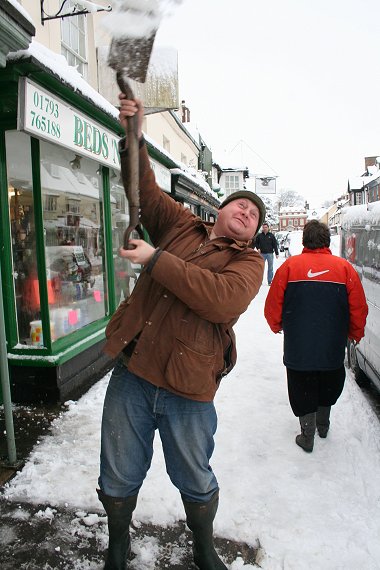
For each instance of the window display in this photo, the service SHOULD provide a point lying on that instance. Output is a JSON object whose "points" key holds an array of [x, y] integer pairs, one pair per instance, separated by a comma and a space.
{"points": [[21, 210], [71, 188], [126, 273]]}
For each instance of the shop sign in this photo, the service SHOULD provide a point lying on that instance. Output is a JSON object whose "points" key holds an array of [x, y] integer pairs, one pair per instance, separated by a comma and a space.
{"points": [[162, 174], [46, 116], [265, 185]]}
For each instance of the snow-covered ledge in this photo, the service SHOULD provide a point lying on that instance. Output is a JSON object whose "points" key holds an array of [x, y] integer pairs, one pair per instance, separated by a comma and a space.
{"points": [[16, 28]]}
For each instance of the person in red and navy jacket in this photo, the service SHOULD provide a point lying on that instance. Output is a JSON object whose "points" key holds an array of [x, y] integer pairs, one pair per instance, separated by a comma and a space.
{"points": [[318, 301]]}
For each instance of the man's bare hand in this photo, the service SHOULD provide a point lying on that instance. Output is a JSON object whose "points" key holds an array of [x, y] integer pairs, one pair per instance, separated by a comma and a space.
{"points": [[129, 108], [141, 253]]}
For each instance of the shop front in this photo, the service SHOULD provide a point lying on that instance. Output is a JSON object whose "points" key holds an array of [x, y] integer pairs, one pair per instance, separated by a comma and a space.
{"points": [[16, 32], [194, 195], [63, 215]]}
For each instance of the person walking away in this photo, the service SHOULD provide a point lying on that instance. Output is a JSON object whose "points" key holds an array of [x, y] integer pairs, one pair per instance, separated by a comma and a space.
{"points": [[318, 301], [175, 342], [266, 245]]}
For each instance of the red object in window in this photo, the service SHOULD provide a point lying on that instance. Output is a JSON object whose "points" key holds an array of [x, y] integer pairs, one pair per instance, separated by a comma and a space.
{"points": [[31, 294], [351, 248], [73, 317]]}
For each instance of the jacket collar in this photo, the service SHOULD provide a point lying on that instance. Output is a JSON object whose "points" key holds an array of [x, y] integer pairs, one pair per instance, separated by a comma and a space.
{"points": [[318, 250]]}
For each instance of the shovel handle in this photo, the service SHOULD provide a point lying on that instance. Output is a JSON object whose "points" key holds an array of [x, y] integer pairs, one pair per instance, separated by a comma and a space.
{"points": [[128, 234], [132, 191]]}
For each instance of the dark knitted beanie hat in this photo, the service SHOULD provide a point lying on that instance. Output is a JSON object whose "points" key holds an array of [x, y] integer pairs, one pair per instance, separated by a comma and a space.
{"points": [[249, 196]]}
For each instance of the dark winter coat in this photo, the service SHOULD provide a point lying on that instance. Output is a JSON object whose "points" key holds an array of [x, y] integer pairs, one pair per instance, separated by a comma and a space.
{"points": [[317, 299], [266, 243], [185, 307]]}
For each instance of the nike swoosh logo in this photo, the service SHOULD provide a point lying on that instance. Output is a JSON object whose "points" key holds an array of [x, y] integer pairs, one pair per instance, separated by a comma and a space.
{"points": [[311, 274]]}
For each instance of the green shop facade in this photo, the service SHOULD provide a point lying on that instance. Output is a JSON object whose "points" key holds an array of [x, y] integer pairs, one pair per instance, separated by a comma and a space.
{"points": [[63, 215]]}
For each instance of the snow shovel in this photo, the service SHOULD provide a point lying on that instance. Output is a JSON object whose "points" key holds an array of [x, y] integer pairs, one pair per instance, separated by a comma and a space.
{"points": [[129, 57]]}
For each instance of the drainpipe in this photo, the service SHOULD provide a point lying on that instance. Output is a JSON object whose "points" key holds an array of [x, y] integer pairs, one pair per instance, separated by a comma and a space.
{"points": [[5, 386]]}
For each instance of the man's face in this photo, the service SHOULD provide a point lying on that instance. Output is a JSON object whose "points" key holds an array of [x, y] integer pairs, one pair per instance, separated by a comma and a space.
{"points": [[238, 220], [265, 228]]}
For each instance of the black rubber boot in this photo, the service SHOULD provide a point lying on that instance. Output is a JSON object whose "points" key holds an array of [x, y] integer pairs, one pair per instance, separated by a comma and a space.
{"points": [[199, 518], [306, 437], [323, 420], [119, 512]]}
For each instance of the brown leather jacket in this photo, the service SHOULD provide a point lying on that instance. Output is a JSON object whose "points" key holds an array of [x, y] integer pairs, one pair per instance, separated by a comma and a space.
{"points": [[185, 306]]}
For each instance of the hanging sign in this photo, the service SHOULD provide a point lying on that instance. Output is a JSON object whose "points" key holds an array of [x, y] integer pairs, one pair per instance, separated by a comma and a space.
{"points": [[265, 185], [43, 115]]}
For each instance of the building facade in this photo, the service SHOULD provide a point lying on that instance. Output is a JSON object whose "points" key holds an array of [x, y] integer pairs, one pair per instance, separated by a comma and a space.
{"points": [[64, 211], [292, 218]]}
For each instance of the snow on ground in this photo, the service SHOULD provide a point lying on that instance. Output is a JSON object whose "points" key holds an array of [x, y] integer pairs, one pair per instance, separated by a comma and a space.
{"points": [[318, 511]]}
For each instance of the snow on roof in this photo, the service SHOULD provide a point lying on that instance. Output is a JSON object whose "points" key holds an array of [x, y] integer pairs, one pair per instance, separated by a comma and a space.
{"points": [[192, 175], [58, 65], [316, 213], [373, 169], [193, 130], [66, 73], [21, 10], [361, 215], [356, 182], [292, 210]]}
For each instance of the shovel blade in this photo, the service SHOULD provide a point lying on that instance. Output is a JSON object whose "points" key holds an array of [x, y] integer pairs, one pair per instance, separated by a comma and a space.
{"points": [[131, 56]]}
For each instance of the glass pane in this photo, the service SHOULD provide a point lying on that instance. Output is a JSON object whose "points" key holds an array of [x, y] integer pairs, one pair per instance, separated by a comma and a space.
{"points": [[82, 45], [20, 196], [74, 44], [65, 31], [70, 58], [73, 224], [81, 23], [79, 66], [126, 273]]}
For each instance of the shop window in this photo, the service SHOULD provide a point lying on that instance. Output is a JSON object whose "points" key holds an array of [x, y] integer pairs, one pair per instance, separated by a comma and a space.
{"points": [[125, 272], [73, 40], [73, 240], [20, 199]]}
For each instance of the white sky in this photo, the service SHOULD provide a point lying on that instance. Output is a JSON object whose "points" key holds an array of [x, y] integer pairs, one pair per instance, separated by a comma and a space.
{"points": [[316, 511], [295, 80]]}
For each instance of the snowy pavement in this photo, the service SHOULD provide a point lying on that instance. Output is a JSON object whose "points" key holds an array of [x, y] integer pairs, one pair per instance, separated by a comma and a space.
{"points": [[318, 511]]}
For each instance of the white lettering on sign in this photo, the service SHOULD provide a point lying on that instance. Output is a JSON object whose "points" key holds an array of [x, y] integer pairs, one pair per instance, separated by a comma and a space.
{"points": [[46, 116]]}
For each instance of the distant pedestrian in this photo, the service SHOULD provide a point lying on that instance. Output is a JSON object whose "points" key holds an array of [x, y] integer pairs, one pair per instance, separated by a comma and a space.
{"points": [[266, 245], [286, 245], [317, 299]]}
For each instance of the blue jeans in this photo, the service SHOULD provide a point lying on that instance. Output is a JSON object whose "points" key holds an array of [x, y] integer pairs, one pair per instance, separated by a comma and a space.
{"points": [[268, 257], [133, 410]]}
